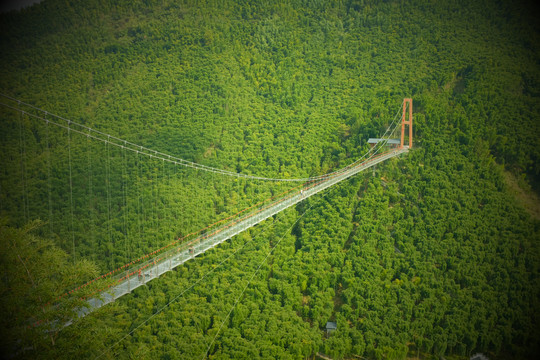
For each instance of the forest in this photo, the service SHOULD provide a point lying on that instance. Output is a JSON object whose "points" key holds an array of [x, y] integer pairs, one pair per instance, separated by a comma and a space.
{"points": [[433, 254]]}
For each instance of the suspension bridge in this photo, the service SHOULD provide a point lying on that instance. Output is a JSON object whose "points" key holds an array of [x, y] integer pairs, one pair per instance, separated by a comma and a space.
{"points": [[105, 219]]}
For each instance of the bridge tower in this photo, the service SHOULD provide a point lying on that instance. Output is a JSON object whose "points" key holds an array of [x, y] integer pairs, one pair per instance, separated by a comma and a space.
{"points": [[404, 122]]}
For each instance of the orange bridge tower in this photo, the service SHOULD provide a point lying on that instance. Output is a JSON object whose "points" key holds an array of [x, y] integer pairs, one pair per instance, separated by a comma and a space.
{"points": [[404, 122]]}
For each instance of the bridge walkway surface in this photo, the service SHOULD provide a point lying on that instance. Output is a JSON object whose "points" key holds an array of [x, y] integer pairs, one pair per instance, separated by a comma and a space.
{"points": [[129, 280]]}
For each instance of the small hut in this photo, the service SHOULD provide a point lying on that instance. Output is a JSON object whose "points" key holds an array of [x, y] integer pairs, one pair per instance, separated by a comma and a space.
{"points": [[330, 327]]}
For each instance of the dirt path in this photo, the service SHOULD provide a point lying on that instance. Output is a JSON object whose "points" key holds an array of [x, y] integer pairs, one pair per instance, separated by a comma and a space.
{"points": [[526, 197]]}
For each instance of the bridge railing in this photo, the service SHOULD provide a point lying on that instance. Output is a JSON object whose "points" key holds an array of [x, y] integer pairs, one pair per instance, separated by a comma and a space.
{"points": [[138, 275]]}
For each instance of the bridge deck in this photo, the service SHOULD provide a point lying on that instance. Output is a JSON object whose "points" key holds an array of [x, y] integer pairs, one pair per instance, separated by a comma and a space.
{"points": [[130, 279]]}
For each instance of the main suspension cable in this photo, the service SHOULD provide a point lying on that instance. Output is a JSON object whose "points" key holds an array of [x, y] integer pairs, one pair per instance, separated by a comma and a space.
{"points": [[124, 144]]}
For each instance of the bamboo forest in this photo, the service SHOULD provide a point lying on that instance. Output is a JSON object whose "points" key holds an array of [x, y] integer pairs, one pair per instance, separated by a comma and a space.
{"points": [[270, 179]]}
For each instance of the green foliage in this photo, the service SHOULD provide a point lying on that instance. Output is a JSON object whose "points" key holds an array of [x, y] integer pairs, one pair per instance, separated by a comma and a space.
{"points": [[431, 255], [35, 272]]}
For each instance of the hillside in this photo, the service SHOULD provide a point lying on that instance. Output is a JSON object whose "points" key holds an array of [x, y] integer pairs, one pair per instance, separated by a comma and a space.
{"points": [[433, 254]]}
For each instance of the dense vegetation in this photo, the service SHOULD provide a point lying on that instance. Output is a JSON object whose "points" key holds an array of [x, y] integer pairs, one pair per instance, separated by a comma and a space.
{"points": [[429, 256]]}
